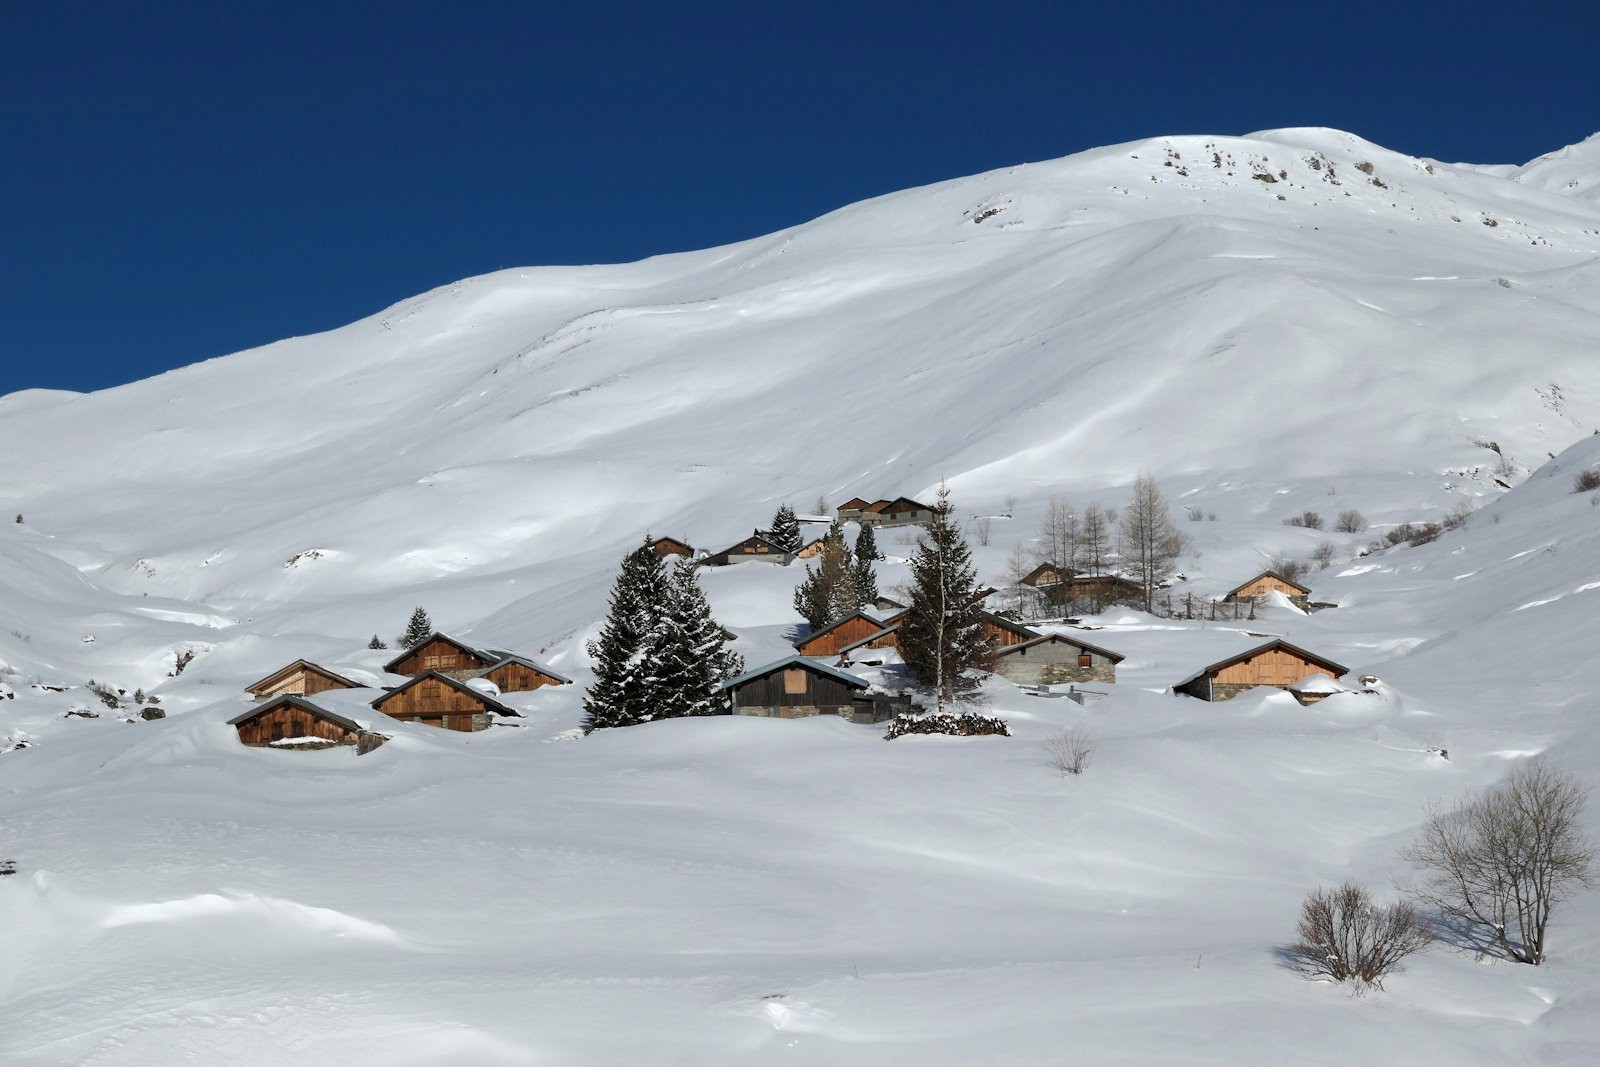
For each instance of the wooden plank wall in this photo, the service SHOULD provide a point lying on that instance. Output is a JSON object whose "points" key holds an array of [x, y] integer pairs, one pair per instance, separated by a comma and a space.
{"points": [[768, 692], [431, 698], [515, 678], [1273, 667], [290, 721], [847, 633], [439, 656], [1268, 584]]}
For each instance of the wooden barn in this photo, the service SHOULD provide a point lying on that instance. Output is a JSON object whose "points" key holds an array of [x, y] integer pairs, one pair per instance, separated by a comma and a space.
{"points": [[445, 655], [860, 651], [1095, 589], [1046, 574], [797, 688], [852, 508], [513, 674], [756, 546], [301, 678], [901, 511], [1055, 659], [1276, 663], [435, 699], [294, 722], [832, 639], [671, 546], [1003, 633], [1270, 582], [813, 548]]}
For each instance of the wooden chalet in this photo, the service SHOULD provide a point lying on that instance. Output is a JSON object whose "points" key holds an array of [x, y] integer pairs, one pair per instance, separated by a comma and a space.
{"points": [[443, 654], [293, 722], [852, 508], [796, 687], [1276, 663], [436, 699], [302, 678], [671, 546], [1270, 582], [832, 639], [1095, 588], [859, 651], [901, 511], [1055, 659], [756, 546], [813, 548], [1046, 574], [513, 674], [1003, 633]]}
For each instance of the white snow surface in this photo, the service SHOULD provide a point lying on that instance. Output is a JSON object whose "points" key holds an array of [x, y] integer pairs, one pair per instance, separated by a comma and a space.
{"points": [[758, 891]]}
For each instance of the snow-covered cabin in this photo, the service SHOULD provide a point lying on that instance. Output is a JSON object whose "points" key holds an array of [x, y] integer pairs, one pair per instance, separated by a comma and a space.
{"points": [[302, 678], [294, 722], [444, 654], [514, 674], [1270, 582], [436, 699], [1046, 574], [813, 548], [1002, 632], [1096, 588], [1055, 659], [832, 639], [1276, 663], [671, 546], [901, 511], [756, 546], [796, 687]]}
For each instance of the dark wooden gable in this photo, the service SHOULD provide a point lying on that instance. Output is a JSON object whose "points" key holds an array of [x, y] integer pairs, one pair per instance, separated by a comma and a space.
{"points": [[438, 700], [835, 637], [288, 717], [439, 653], [521, 676], [794, 683], [300, 678]]}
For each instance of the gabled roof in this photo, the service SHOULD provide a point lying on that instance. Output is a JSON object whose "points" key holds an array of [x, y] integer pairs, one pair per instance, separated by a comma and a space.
{"points": [[528, 663], [1033, 576], [1268, 574], [855, 503], [453, 684], [757, 536], [796, 660], [299, 702], [1006, 624], [1064, 639], [303, 664], [832, 626], [867, 640], [887, 505], [447, 639], [1335, 669], [654, 541]]}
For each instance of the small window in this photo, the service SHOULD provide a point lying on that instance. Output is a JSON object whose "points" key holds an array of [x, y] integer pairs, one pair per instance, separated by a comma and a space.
{"points": [[1085, 660], [794, 682]]}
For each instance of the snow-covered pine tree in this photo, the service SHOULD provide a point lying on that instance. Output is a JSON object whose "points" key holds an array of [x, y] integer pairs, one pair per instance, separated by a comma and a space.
{"points": [[628, 652], [785, 530], [377, 642], [942, 638], [864, 573], [418, 630], [694, 657]]}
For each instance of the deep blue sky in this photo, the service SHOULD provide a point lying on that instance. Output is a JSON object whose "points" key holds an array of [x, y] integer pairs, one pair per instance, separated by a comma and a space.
{"points": [[180, 181]]}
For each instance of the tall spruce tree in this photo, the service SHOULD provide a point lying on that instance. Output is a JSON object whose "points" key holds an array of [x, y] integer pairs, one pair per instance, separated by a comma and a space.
{"points": [[942, 638], [865, 574], [377, 642], [867, 544], [830, 591], [418, 630], [628, 653], [694, 657], [785, 530]]}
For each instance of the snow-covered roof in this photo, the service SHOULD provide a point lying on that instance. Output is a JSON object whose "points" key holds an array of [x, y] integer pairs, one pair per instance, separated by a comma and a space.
{"points": [[796, 660], [298, 702], [453, 684], [1251, 653], [1064, 639], [523, 661]]}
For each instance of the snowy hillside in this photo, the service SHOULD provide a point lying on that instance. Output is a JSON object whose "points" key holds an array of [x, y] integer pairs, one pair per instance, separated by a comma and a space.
{"points": [[1296, 320]]}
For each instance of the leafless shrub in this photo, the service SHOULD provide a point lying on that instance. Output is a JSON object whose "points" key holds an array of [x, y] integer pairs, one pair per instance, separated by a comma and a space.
{"points": [[1347, 936], [1422, 533], [981, 526], [1070, 750], [1324, 554], [1311, 520], [1350, 521], [1292, 569], [1586, 481], [1457, 516], [1500, 862]]}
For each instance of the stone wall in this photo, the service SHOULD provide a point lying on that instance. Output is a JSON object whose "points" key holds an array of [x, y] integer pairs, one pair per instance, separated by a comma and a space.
{"points": [[1053, 664]]}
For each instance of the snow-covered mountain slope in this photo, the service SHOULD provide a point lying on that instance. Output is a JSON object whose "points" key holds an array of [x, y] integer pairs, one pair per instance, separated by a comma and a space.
{"points": [[1353, 333]]}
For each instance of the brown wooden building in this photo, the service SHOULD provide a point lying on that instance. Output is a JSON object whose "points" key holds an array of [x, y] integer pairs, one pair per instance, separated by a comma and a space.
{"points": [[1276, 663], [756, 546], [435, 699], [813, 548], [1094, 589], [831, 640], [1003, 632], [796, 687], [290, 718], [671, 546], [1055, 659], [446, 655], [301, 678], [1270, 582], [513, 674], [901, 511], [1047, 574]]}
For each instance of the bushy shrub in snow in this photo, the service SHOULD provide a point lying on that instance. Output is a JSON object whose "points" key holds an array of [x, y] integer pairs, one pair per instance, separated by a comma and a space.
{"points": [[1070, 750], [1350, 521], [1347, 936], [967, 724], [1585, 482], [1311, 520]]}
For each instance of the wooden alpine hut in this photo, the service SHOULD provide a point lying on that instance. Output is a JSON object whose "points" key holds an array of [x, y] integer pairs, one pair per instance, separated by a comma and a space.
{"points": [[1055, 659], [290, 721], [302, 678], [513, 674], [756, 546], [671, 546], [1276, 663], [445, 655], [1270, 582], [832, 639], [436, 699], [796, 687]]}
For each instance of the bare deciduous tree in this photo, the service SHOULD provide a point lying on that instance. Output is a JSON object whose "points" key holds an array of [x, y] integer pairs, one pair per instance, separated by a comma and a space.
{"points": [[1070, 750], [1094, 542], [1324, 554], [1023, 597], [1347, 936], [1147, 538], [1058, 535], [1502, 861], [1350, 521], [981, 526]]}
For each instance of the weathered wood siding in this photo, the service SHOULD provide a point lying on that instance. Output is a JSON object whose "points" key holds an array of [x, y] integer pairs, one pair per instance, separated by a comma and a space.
{"points": [[1004, 636], [846, 633], [794, 692], [1272, 667], [290, 721], [440, 655], [433, 703], [1265, 584], [301, 682], [515, 678], [667, 546]]}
